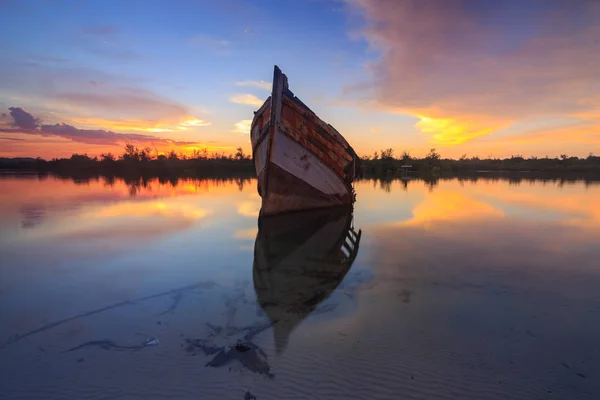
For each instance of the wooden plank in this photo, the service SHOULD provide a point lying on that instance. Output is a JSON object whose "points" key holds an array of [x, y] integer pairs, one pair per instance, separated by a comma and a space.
{"points": [[304, 130], [292, 157], [260, 157], [329, 133], [259, 124], [276, 95], [289, 193], [332, 164], [312, 125], [290, 140], [264, 133]]}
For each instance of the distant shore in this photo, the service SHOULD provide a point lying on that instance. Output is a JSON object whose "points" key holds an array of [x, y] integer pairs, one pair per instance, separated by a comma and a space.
{"points": [[384, 163], [136, 162]]}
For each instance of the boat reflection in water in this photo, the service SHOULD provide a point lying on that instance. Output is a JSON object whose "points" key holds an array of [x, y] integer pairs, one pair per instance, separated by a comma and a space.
{"points": [[299, 260]]}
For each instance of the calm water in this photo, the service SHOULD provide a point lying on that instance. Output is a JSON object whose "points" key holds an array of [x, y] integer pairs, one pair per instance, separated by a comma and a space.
{"points": [[457, 290]]}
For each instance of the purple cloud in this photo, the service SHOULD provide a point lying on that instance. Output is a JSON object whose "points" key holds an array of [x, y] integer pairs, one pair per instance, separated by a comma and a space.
{"points": [[100, 136], [22, 119], [26, 123]]}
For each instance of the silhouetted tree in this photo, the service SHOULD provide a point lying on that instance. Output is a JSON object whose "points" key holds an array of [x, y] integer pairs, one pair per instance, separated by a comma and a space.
{"points": [[107, 158], [239, 155], [172, 155], [406, 156], [433, 155], [387, 154]]}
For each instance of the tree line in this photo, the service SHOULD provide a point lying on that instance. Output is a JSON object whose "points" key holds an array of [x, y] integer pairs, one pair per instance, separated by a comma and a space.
{"points": [[136, 161], [384, 163]]}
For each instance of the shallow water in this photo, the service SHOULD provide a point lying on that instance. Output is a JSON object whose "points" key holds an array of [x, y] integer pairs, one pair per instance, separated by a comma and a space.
{"points": [[472, 289]]}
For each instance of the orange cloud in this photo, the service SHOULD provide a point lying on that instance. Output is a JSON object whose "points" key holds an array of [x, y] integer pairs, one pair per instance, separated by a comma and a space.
{"points": [[32, 134], [582, 133], [57, 147], [183, 124], [454, 131], [468, 68], [247, 99], [51, 147]]}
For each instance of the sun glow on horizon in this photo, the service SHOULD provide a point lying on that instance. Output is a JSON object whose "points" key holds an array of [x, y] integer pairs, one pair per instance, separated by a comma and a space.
{"points": [[452, 131], [150, 126]]}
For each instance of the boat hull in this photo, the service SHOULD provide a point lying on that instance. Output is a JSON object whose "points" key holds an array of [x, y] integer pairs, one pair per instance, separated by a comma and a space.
{"points": [[301, 162], [294, 179]]}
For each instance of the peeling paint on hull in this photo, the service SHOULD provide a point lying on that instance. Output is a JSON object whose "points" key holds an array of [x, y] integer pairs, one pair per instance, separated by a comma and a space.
{"points": [[301, 162]]}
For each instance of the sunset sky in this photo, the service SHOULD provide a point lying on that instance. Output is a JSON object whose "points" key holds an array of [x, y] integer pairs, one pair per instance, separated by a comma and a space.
{"points": [[464, 76]]}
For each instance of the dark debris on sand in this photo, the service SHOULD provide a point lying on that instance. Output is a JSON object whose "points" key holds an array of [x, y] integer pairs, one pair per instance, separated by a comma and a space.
{"points": [[241, 347], [252, 357], [104, 345], [109, 344]]}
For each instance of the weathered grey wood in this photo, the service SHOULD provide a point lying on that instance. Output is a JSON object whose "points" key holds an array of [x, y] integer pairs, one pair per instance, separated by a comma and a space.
{"points": [[276, 96], [299, 162]]}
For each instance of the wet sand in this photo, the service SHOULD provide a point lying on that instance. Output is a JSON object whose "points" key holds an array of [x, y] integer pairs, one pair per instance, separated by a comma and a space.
{"points": [[485, 306], [449, 338]]}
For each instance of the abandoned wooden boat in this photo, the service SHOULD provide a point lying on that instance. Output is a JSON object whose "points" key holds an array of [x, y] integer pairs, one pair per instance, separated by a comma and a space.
{"points": [[301, 162], [299, 260]]}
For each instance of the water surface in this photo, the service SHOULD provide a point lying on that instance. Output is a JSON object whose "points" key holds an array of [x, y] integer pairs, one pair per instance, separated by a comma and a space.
{"points": [[454, 289]]}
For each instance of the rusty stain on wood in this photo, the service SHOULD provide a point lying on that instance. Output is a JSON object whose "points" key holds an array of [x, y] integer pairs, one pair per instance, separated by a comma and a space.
{"points": [[331, 163]]}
